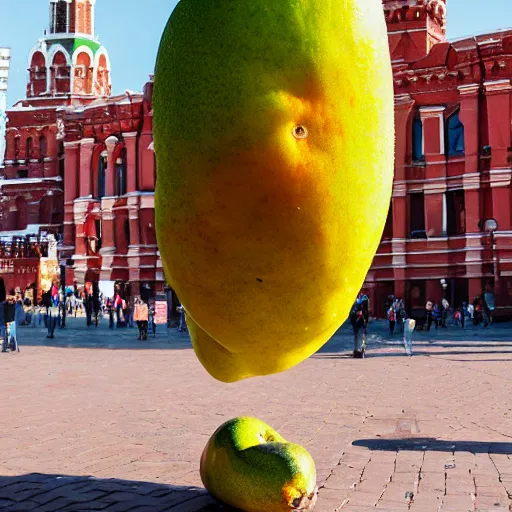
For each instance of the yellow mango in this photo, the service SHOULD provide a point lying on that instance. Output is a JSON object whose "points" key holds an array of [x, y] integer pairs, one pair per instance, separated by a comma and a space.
{"points": [[274, 131]]}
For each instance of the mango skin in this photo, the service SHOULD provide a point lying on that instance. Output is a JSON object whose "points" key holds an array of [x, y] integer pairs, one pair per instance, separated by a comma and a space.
{"points": [[267, 237], [247, 465]]}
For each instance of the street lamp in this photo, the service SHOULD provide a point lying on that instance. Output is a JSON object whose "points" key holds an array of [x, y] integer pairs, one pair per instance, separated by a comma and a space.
{"points": [[444, 285], [490, 226]]}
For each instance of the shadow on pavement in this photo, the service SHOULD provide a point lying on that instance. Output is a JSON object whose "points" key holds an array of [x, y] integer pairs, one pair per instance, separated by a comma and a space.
{"points": [[418, 353], [430, 444], [82, 493]]}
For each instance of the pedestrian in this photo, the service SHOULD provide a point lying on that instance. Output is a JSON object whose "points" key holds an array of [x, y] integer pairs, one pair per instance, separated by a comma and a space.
{"points": [[51, 301], [409, 325], [141, 319], [110, 311], [445, 307], [436, 315], [183, 321], [358, 321], [392, 320]]}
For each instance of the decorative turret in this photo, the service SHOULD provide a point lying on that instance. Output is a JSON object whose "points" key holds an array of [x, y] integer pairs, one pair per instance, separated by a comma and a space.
{"points": [[69, 60], [414, 26]]}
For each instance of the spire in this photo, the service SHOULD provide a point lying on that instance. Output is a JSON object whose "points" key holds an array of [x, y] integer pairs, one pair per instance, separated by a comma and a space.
{"points": [[422, 21], [69, 61]]}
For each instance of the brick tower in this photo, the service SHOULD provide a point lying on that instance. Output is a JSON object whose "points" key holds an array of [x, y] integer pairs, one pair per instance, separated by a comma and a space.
{"points": [[414, 26], [69, 61]]}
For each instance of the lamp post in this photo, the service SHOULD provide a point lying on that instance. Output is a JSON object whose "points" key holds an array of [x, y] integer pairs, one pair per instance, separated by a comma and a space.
{"points": [[490, 226]]}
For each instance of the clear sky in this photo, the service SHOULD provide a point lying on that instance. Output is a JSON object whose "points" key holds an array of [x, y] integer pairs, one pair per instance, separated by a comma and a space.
{"points": [[130, 30]]}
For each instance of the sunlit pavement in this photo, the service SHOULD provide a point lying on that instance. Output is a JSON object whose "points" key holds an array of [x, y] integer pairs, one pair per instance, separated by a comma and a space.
{"points": [[429, 433]]}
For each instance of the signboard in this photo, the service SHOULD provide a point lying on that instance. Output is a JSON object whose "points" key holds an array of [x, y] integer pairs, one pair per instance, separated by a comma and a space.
{"points": [[161, 312], [49, 272]]}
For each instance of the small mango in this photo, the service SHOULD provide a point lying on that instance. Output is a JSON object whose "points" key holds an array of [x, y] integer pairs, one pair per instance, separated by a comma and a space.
{"points": [[249, 466]]}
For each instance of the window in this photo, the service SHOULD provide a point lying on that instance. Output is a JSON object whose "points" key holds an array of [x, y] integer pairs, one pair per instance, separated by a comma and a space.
{"points": [[23, 173], [16, 147], [454, 136], [61, 160], [417, 214], [417, 140], [388, 228], [120, 177], [102, 163], [28, 148], [127, 231], [455, 213], [61, 16], [43, 147], [97, 225]]}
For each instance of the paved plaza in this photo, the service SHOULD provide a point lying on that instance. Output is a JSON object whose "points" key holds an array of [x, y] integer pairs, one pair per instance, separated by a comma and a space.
{"points": [[95, 420]]}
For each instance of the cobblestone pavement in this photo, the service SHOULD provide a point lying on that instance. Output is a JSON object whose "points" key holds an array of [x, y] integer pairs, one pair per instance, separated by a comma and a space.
{"points": [[122, 430]]}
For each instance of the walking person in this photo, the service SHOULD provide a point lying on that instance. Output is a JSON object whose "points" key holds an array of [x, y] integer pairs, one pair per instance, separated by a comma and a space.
{"points": [[428, 312], [183, 321], [445, 307], [436, 315], [52, 308], [409, 325], [141, 318], [358, 321], [392, 320]]}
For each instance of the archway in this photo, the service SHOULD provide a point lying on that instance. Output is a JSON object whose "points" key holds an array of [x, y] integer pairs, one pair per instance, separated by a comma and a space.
{"points": [[60, 74], [83, 74], [37, 83], [21, 213], [102, 77]]}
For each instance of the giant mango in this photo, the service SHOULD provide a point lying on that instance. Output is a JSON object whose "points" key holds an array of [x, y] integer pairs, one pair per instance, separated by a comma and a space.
{"points": [[273, 129]]}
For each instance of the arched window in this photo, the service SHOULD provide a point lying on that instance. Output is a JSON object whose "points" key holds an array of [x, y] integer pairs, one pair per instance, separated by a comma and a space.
{"points": [[37, 83], [16, 147], [28, 148], [43, 147], [102, 166], [102, 77], [417, 140], [455, 135], [120, 177], [60, 73], [83, 74]]}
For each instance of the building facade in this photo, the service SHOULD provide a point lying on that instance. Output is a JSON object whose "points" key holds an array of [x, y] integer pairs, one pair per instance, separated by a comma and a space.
{"points": [[67, 67], [448, 231], [110, 175]]}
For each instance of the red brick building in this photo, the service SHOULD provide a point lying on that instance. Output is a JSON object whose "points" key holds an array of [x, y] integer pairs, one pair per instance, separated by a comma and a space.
{"points": [[452, 167], [68, 66], [452, 163], [79, 162], [109, 175]]}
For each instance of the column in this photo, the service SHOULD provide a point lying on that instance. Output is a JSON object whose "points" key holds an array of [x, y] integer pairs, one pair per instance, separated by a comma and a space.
{"points": [[130, 142], [498, 120], [107, 226], [111, 143], [86, 150], [70, 188], [403, 107]]}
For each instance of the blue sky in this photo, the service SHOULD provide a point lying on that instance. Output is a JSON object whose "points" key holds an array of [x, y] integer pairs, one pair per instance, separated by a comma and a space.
{"points": [[131, 29]]}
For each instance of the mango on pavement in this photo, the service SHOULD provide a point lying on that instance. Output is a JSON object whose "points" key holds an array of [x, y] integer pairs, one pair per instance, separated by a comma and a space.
{"points": [[248, 465], [274, 132]]}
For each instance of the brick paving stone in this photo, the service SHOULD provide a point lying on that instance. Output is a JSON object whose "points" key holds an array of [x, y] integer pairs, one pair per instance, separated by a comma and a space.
{"points": [[137, 418]]}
